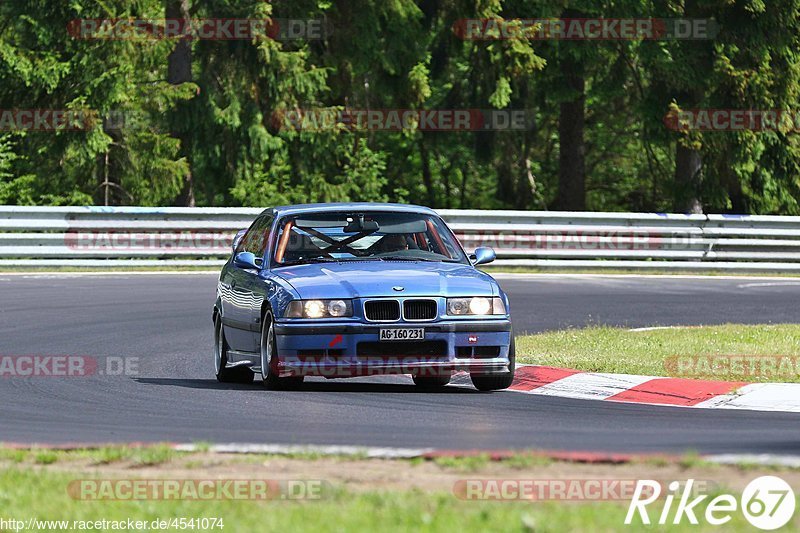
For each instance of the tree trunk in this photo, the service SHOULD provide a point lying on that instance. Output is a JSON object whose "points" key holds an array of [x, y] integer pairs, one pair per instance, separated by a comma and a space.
{"points": [[506, 181], [572, 154], [739, 203], [462, 201], [526, 185], [427, 176], [448, 188], [179, 70], [688, 164], [688, 161]]}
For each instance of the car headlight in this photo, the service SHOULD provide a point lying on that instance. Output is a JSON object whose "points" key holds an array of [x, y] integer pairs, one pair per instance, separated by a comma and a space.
{"points": [[478, 305], [319, 309]]}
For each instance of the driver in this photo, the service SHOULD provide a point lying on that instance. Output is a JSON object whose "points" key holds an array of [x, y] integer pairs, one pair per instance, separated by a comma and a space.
{"points": [[394, 242]]}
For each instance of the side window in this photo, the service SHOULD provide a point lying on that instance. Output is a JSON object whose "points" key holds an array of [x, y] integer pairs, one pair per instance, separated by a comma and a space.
{"points": [[255, 240], [247, 236]]}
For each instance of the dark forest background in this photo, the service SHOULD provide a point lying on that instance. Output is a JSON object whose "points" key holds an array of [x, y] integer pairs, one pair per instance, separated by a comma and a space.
{"points": [[205, 134]]}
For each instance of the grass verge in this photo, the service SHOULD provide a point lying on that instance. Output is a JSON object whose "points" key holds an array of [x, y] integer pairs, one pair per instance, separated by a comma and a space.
{"points": [[36, 491], [733, 352], [135, 456], [27, 493]]}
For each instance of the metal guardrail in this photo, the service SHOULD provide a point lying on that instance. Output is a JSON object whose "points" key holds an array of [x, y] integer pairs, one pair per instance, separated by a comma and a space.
{"points": [[142, 236]]}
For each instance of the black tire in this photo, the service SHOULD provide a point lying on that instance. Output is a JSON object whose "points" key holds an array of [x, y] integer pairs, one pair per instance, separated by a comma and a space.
{"points": [[237, 374], [431, 382], [269, 360], [497, 381]]}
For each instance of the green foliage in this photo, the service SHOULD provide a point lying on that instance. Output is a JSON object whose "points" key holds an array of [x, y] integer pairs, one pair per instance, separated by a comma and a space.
{"points": [[216, 136]]}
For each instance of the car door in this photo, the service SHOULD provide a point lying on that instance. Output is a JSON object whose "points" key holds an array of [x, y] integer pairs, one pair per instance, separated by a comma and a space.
{"points": [[254, 283], [243, 292]]}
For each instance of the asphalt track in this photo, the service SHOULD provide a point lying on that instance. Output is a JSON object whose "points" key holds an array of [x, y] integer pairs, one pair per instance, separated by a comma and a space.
{"points": [[164, 321]]}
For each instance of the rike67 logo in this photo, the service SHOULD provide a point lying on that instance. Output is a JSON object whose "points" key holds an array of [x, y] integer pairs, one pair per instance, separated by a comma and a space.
{"points": [[767, 502]]}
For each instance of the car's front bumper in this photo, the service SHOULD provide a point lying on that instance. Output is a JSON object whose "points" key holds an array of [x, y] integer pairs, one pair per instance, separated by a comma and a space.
{"points": [[348, 349]]}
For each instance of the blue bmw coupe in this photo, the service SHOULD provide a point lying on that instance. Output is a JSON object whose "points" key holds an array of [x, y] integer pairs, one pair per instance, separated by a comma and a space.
{"points": [[355, 289]]}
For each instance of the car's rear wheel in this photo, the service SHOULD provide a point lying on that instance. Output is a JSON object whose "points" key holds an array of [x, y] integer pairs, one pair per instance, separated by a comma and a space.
{"points": [[269, 359], [237, 374], [497, 381], [431, 378]]}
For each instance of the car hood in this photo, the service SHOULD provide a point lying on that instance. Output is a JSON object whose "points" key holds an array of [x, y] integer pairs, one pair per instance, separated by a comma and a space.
{"points": [[379, 278]]}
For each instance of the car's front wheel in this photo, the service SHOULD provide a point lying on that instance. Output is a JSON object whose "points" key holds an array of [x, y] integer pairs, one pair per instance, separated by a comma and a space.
{"points": [[269, 359], [237, 374], [497, 381]]}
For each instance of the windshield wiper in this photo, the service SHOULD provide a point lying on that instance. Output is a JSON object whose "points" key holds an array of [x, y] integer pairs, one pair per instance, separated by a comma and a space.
{"points": [[423, 259], [406, 258], [310, 260]]}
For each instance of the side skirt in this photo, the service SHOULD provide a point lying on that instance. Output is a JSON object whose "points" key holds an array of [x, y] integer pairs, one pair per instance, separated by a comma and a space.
{"points": [[249, 359]]}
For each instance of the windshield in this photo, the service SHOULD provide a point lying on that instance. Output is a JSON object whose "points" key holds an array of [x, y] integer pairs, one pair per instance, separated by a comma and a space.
{"points": [[365, 236]]}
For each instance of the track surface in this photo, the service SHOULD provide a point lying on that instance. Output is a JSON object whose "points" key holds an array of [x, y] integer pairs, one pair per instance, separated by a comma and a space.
{"points": [[165, 322]]}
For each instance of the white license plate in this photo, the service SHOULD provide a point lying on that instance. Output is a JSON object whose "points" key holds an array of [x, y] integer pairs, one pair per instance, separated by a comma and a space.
{"points": [[402, 334]]}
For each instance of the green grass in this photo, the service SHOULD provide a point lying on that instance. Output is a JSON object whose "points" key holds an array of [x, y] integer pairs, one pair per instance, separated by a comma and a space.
{"points": [[471, 463], [152, 455], [28, 493], [106, 455], [655, 353], [202, 446], [45, 457], [300, 456], [13, 454], [136, 455]]}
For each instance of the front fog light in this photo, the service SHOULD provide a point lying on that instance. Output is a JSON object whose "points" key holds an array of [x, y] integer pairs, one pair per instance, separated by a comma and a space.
{"points": [[337, 308], [314, 309]]}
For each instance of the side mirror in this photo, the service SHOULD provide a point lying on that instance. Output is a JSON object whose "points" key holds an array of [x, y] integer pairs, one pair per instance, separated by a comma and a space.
{"points": [[246, 260], [483, 256], [237, 239]]}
